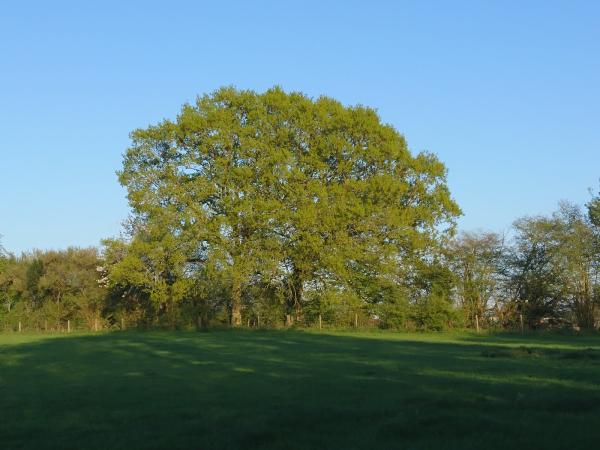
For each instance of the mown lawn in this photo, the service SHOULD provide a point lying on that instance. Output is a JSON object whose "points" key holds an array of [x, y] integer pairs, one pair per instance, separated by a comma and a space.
{"points": [[299, 390]]}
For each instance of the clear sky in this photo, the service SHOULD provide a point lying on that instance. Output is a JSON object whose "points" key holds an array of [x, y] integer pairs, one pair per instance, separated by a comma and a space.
{"points": [[507, 94]]}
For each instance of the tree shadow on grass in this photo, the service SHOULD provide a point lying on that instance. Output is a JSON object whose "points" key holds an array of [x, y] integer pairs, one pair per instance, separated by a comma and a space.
{"points": [[289, 389]]}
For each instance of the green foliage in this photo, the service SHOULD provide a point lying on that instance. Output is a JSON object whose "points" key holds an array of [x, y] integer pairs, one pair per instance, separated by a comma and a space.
{"points": [[394, 313], [435, 313]]}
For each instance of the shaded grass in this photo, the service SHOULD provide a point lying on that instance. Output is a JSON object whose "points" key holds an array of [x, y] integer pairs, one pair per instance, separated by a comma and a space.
{"points": [[530, 352], [296, 390]]}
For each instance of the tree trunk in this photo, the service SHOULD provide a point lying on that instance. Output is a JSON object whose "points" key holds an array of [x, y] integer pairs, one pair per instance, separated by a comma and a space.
{"points": [[58, 305], [585, 303], [296, 291], [236, 303], [171, 308]]}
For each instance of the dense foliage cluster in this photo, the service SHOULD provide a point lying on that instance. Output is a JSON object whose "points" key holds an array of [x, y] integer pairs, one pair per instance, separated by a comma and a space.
{"points": [[47, 290], [275, 209]]}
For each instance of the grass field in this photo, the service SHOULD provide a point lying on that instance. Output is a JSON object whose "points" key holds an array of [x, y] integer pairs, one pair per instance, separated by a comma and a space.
{"points": [[299, 390]]}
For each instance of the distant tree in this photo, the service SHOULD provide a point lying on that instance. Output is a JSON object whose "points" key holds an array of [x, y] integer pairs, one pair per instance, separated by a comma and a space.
{"points": [[555, 266], [477, 260], [537, 282], [578, 259], [11, 281], [593, 208], [33, 274]]}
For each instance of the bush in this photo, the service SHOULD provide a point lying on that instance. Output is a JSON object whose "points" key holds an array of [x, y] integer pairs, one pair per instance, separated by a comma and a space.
{"points": [[434, 313]]}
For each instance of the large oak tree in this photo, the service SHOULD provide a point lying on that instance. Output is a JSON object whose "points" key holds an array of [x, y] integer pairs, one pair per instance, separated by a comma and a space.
{"points": [[282, 190]]}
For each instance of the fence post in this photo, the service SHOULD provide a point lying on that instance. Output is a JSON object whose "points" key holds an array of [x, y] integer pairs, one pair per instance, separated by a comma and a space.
{"points": [[68, 326], [320, 322], [19, 326], [355, 320], [521, 320], [477, 322], [258, 320], [45, 325]]}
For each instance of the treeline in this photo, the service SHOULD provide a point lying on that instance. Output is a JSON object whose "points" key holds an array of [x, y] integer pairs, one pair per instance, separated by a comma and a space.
{"points": [[45, 290], [275, 209], [544, 274]]}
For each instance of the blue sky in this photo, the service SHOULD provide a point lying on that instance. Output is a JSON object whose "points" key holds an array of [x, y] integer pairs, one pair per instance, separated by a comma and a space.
{"points": [[507, 94]]}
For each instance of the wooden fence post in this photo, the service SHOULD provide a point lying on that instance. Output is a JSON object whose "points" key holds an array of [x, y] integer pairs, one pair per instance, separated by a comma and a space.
{"points": [[355, 320], [521, 320], [19, 326], [320, 322], [258, 320], [477, 322], [68, 326]]}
